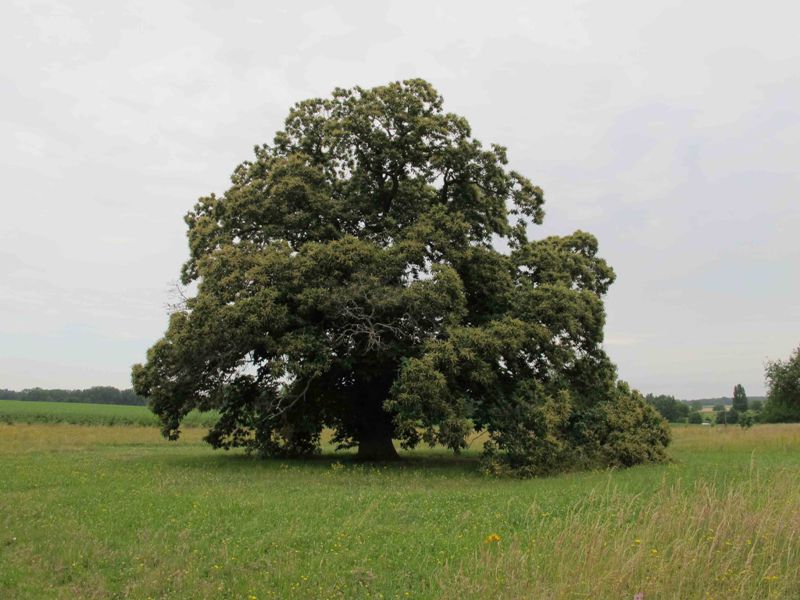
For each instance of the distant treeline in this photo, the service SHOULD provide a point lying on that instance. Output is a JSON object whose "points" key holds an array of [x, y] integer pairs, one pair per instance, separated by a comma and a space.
{"points": [[724, 400], [682, 411], [92, 395]]}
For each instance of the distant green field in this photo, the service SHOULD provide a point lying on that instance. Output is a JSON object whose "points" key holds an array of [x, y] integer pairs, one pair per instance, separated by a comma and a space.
{"points": [[21, 411], [118, 512]]}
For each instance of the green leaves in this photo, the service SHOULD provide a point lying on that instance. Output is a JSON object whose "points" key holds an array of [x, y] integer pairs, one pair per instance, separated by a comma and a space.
{"points": [[348, 279], [783, 390]]}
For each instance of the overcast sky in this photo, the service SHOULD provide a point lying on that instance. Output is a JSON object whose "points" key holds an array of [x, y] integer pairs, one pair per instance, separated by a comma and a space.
{"points": [[671, 130]]}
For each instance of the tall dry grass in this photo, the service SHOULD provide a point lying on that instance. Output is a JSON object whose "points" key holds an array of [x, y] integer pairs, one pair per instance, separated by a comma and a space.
{"points": [[704, 540]]}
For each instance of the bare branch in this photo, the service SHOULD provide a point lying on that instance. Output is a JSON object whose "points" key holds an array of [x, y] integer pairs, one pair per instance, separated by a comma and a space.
{"points": [[278, 408], [176, 293]]}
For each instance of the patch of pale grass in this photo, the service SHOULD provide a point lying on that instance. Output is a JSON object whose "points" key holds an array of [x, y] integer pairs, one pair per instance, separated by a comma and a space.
{"points": [[702, 540], [61, 437], [762, 438]]}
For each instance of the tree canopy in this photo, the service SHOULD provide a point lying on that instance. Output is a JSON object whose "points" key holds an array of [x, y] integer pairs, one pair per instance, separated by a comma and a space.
{"points": [[739, 398], [783, 390], [350, 279], [668, 407]]}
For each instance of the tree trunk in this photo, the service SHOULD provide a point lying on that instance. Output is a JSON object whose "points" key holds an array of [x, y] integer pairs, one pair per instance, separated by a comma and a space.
{"points": [[375, 427], [376, 447]]}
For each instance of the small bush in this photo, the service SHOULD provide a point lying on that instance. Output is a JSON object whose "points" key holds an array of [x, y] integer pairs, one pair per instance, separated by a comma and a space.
{"points": [[747, 419]]}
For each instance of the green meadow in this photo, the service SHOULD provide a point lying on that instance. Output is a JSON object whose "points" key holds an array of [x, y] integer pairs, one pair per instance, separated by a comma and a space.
{"points": [[78, 413], [97, 511]]}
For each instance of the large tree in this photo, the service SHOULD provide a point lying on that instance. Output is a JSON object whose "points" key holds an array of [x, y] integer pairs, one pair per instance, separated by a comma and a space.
{"points": [[350, 278]]}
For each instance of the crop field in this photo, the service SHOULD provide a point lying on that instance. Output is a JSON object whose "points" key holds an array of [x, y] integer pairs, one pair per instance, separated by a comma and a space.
{"points": [[77, 413], [92, 511]]}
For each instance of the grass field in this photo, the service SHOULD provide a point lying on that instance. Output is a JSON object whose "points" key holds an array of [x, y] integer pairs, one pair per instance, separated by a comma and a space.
{"points": [[77, 413], [116, 512]]}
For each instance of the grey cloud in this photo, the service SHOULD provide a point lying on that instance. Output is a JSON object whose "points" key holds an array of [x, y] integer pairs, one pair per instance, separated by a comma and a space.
{"points": [[665, 129]]}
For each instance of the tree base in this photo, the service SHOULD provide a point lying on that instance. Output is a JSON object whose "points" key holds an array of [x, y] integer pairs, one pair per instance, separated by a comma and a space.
{"points": [[381, 449]]}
